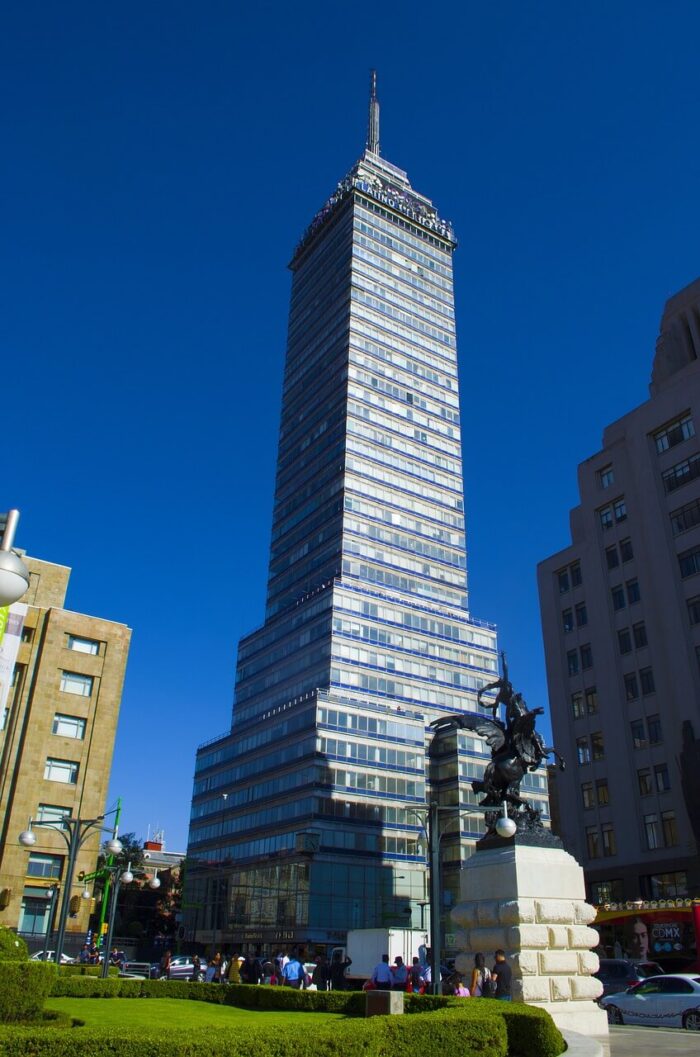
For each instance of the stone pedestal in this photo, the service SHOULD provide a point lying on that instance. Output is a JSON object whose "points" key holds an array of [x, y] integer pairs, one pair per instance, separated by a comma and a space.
{"points": [[530, 901], [383, 1003]]}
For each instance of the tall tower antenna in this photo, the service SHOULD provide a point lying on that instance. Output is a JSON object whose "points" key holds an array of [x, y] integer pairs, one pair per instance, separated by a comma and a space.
{"points": [[373, 124]]}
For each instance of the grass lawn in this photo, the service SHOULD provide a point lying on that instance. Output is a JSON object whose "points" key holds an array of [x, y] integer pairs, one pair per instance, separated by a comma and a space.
{"points": [[174, 1014]]}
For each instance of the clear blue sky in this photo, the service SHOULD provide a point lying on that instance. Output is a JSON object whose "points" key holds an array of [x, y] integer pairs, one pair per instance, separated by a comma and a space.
{"points": [[159, 163]]}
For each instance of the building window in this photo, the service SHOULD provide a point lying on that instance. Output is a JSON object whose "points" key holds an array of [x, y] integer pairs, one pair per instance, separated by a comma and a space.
{"points": [[620, 510], [577, 704], [631, 687], [651, 831], [654, 730], [686, 517], [587, 795], [572, 662], [639, 738], [668, 828], [606, 477], [48, 866], [75, 683], [612, 557], [607, 892], [606, 518], [624, 640], [53, 813], [65, 771], [646, 680], [689, 562], [591, 700], [644, 781], [583, 750], [592, 842], [626, 551], [680, 474], [602, 792], [27, 634], [567, 619], [674, 433], [563, 580], [586, 657], [576, 577], [663, 782], [609, 846], [665, 885], [581, 615], [633, 594], [597, 746], [80, 645], [694, 610], [618, 597], [640, 635], [68, 726]]}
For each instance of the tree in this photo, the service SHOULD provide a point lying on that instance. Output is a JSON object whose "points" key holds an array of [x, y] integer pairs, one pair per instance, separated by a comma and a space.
{"points": [[132, 852]]}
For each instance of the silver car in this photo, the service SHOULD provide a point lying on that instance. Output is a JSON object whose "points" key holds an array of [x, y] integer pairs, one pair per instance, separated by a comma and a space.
{"points": [[670, 1001]]}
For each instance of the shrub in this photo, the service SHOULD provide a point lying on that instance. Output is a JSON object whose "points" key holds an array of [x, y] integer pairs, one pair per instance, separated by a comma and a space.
{"points": [[86, 970], [530, 1030], [24, 987], [87, 987], [12, 947]]}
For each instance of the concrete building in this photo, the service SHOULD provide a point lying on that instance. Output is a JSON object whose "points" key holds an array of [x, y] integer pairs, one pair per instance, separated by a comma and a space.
{"points": [[621, 623], [306, 815], [61, 684]]}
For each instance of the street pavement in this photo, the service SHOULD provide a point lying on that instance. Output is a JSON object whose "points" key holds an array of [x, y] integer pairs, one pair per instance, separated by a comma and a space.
{"points": [[651, 1042]]}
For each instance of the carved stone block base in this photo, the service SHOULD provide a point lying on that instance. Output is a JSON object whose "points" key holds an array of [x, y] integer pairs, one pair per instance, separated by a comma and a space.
{"points": [[531, 902]]}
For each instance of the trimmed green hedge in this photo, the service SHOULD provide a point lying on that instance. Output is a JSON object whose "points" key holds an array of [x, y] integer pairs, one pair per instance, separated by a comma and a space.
{"points": [[12, 947], [24, 987], [476, 1026], [431, 1035], [86, 970]]}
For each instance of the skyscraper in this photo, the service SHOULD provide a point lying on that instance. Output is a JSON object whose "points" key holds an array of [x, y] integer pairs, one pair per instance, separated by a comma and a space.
{"points": [[621, 624], [302, 817]]}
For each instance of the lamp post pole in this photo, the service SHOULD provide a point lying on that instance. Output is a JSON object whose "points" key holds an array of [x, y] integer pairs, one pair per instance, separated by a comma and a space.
{"points": [[52, 906], [78, 831], [120, 877]]}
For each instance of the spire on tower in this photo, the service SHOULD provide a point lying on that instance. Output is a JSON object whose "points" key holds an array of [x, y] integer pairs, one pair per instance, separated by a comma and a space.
{"points": [[373, 124]]}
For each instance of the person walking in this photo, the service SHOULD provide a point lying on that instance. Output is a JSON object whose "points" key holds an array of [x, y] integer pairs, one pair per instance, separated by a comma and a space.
{"points": [[338, 968], [399, 974], [481, 982], [251, 970], [293, 973], [502, 974], [321, 975], [381, 974], [196, 969], [416, 976], [165, 965], [458, 987]]}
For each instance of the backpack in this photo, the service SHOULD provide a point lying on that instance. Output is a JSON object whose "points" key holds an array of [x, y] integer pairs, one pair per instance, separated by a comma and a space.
{"points": [[488, 984]]}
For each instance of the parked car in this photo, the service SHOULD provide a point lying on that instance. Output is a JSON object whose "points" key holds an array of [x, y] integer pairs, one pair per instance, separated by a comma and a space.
{"points": [[617, 974], [181, 967], [671, 1001], [50, 956]]}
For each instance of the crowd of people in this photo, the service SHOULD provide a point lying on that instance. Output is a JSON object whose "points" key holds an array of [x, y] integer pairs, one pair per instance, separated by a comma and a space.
{"points": [[287, 970], [484, 982]]}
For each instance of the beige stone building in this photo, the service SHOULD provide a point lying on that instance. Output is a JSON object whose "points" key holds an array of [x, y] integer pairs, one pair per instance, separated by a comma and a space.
{"points": [[621, 623], [62, 698]]}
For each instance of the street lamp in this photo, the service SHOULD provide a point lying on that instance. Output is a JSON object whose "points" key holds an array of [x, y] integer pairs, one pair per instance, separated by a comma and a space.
{"points": [[52, 893], [14, 575], [119, 877], [75, 832]]}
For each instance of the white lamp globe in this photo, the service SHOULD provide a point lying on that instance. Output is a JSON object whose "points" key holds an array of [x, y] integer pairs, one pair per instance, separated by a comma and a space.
{"points": [[28, 838], [127, 877], [14, 578], [114, 846], [154, 882], [505, 827], [86, 893]]}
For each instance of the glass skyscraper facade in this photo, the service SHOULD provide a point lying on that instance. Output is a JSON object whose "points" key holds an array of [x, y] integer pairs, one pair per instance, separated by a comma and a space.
{"points": [[306, 816]]}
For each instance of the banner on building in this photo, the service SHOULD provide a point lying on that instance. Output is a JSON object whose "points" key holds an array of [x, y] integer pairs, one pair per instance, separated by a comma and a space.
{"points": [[11, 626]]}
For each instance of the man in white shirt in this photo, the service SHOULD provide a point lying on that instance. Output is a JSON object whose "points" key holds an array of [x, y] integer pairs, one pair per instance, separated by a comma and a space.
{"points": [[381, 976]]}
